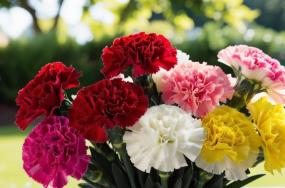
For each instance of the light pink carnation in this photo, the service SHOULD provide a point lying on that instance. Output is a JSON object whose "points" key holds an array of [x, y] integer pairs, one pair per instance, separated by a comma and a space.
{"points": [[53, 151], [196, 88], [255, 64]]}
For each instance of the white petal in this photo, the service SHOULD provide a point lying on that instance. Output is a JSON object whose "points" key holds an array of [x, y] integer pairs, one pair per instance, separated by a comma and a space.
{"points": [[233, 171], [182, 57], [122, 76], [232, 80], [157, 78], [257, 74]]}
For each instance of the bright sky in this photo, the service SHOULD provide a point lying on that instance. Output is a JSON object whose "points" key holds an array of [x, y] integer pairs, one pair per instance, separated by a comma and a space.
{"points": [[16, 21]]}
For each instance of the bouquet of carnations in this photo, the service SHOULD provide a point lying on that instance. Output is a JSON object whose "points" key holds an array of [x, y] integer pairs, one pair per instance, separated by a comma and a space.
{"points": [[157, 119]]}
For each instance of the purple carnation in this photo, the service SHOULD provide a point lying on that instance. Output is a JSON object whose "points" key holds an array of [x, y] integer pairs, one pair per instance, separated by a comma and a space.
{"points": [[53, 150]]}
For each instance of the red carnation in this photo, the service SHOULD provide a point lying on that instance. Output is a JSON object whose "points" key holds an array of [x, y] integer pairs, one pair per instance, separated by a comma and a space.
{"points": [[106, 104], [45, 92], [146, 53]]}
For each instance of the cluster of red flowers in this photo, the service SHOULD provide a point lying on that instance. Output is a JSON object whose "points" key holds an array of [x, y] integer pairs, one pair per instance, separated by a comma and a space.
{"points": [[107, 103]]}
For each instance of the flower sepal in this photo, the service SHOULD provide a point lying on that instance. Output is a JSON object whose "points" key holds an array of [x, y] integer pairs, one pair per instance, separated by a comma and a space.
{"points": [[245, 89]]}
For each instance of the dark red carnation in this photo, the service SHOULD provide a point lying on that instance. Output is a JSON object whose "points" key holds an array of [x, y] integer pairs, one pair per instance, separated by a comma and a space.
{"points": [[45, 92], [145, 53], [106, 104]]}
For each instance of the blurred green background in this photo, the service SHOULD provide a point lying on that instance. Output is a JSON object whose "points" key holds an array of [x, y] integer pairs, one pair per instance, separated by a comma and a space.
{"points": [[36, 32]]}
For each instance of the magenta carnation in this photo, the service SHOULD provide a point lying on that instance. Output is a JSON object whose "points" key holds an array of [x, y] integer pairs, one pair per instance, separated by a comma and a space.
{"points": [[196, 88], [255, 64], [53, 151]]}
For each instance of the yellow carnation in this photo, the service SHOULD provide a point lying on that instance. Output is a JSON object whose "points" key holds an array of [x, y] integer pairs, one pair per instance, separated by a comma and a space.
{"points": [[270, 123], [231, 145]]}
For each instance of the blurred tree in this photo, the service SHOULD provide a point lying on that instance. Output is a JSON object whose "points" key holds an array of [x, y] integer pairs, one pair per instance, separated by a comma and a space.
{"points": [[172, 18], [25, 4], [234, 13], [163, 16], [270, 11], [5, 3]]}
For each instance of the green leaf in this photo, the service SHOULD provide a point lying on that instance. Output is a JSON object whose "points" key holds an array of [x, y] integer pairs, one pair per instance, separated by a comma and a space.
{"points": [[149, 183], [90, 184], [260, 158], [154, 175], [178, 183], [238, 184], [152, 180], [120, 177], [116, 138], [158, 185], [86, 185], [141, 177], [215, 182], [175, 176], [105, 150], [103, 164], [187, 177], [96, 176]]}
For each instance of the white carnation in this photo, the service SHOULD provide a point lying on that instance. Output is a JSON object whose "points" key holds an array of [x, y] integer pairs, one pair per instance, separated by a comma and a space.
{"points": [[162, 137]]}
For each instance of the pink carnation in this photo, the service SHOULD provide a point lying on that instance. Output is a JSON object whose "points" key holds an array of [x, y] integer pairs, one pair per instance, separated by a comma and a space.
{"points": [[252, 61], [255, 64], [274, 83], [53, 151], [196, 88]]}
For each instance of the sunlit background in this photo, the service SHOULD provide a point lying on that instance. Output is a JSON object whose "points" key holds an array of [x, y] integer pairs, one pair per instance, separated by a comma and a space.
{"points": [[36, 32]]}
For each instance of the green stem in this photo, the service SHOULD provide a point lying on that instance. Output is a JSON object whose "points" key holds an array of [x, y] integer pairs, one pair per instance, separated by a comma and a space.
{"points": [[200, 184], [129, 168], [150, 89], [116, 139], [164, 176], [244, 91]]}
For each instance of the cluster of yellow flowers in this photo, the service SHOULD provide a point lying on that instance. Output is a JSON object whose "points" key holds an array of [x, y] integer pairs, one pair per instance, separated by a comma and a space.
{"points": [[234, 140]]}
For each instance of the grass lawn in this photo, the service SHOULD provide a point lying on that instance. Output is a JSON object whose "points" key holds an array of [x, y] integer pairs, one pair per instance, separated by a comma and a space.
{"points": [[12, 175]]}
